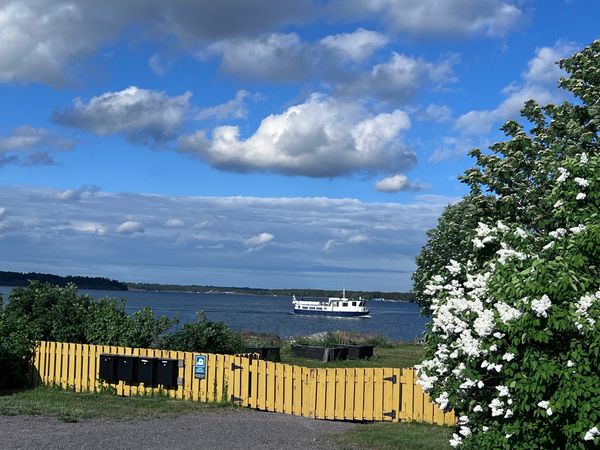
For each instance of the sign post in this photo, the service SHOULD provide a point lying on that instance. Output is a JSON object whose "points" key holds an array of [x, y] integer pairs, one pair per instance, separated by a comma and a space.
{"points": [[200, 366]]}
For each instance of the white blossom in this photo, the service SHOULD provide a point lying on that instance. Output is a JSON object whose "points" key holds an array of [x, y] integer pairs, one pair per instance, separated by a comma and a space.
{"points": [[478, 243], [508, 356], [558, 233], [477, 408], [580, 196], [507, 312], [508, 413], [456, 440], [520, 232], [578, 229], [496, 407], [581, 182], [465, 431], [540, 306], [544, 404], [583, 159], [564, 173], [548, 246], [558, 204], [502, 391], [570, 363], [453, 267], [591, 434]]}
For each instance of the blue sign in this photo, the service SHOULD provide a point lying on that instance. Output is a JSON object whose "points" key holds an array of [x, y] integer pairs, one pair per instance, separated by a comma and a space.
{"points": [[200, 366]]}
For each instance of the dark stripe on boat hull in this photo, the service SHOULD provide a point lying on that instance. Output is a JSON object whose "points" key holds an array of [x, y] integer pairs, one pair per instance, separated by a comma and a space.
{"points": [[313, 312]]}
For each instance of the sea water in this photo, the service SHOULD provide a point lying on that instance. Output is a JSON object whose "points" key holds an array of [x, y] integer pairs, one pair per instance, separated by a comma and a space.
{"points": [[270, 314]]}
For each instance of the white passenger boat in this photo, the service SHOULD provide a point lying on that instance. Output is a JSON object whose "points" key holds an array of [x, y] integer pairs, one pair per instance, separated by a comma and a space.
{"points": [[332, 306]]}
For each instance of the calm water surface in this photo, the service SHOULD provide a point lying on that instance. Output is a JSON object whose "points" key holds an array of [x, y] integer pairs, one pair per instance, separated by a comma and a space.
{"points": [[268, 314]]}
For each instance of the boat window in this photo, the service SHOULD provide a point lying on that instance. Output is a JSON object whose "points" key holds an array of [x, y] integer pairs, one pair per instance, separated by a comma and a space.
{"points": [[345, 304], [334, 303], [353, 303]]}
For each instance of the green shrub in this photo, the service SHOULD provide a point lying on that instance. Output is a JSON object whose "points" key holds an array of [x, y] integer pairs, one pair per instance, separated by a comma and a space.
{"points": [[204, 336], [17, 341]]}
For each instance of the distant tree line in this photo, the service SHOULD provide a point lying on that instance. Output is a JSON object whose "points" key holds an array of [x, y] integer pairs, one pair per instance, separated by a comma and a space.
{"points": [[23, 279], [403, 296]]}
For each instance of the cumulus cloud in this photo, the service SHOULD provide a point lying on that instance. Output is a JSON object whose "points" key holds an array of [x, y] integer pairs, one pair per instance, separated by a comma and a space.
{"points": [[174, 223], [234, 108], [539, 82], [321, 137], [258, 241], [435, 113], [275, 57], [30, 146], [399, 78], [143, 116], [356, 46], [39, 40], [374, 243], [71, 195], [285, 57], [397, 183], [130, 227], [456, 18]]}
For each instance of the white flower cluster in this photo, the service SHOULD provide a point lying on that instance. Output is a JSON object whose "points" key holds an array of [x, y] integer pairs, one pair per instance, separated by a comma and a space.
{"points": [[591, 434], [545, 405], [541, 306], [564, 173], [583, 305]]}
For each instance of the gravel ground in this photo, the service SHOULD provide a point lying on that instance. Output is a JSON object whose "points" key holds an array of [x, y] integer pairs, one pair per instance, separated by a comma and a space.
{"points": [[233, 429]]}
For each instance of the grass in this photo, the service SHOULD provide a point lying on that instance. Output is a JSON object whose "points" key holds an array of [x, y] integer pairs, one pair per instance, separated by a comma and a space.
{"points": [[395, 436], [70, 406], [397, 355]]}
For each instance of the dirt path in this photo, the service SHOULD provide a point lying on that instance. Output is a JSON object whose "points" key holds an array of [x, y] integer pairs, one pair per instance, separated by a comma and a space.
{"points": [[233, 429]]}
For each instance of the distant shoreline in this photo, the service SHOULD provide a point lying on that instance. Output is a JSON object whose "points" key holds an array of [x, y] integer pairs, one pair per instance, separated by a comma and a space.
{"points": [[19, 279]]}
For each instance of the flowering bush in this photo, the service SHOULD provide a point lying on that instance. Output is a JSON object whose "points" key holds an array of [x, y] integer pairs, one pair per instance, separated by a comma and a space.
{"points": [[514, 342]]}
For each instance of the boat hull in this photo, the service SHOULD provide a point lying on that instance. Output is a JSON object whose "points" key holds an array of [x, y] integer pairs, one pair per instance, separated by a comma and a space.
{"points": [[312, 312]]}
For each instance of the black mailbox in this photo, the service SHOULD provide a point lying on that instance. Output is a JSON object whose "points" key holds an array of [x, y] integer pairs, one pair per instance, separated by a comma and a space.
{"points": [[108, 367], [126, 369], [146, 371], [166, 372]]}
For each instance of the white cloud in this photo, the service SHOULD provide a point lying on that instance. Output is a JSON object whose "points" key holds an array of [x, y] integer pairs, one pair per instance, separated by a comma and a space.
{"points": [[77, 194], [174, 223], [435, 17], [258, 241], [321, 137], [2, 213], [397, 183], [356, 46], [143, 116], [436, 113], [83, 226], [40, 39], [399, 78], [276, 57], [234, 108], [377, 241], [539, 82], [130, 227], [31, 146], [452, 147]]}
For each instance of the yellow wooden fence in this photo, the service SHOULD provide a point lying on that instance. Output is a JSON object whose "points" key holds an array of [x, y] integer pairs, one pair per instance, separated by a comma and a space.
{"points": [[372, 394]]}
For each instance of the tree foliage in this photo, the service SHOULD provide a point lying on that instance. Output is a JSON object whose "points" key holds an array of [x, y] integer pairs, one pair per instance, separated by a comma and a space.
{"points": [[514, 342], [204, 336]]}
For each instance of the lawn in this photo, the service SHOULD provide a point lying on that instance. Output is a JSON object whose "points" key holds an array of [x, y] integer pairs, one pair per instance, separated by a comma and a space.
{"points": [[72, 407], [396, 355], [394, 436]]}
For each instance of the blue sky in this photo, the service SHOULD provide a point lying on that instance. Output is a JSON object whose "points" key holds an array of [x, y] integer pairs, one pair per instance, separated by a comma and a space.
{"points": [[256, 143]]}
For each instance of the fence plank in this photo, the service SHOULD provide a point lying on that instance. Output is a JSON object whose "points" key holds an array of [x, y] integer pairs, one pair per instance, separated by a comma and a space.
{"points": [[288, 400], [330, 402], [321, 393], [279, 387], [340, 393], [297, 389], [270, 383]]}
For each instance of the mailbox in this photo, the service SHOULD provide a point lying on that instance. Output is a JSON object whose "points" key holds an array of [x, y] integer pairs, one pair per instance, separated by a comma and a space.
{"points": [[108, 367], [166, 372], [146, 371], [126, 369]]}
